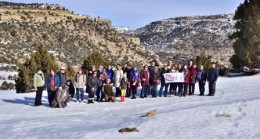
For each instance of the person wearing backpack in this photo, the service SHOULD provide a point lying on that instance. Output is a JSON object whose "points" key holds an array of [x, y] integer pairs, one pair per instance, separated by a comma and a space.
{"points": [[80, 81]]}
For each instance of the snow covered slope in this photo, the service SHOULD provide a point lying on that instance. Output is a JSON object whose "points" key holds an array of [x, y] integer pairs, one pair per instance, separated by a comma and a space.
{"points": [[189, 117]]}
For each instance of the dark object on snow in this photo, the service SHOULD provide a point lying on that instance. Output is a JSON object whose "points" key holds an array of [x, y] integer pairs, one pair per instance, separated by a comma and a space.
{"points": [[128, 130]]}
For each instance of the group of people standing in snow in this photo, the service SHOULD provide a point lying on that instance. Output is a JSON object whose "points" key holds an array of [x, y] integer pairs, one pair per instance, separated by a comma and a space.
{"points": [[56, 86], [125, 81]]}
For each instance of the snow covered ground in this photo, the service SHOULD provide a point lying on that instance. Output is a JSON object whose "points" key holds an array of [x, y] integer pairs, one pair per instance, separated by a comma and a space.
{"points": [[189, 117]]}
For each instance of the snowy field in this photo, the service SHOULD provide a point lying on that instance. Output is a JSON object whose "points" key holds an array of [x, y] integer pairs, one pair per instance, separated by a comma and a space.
{"points": [[177, 118]]}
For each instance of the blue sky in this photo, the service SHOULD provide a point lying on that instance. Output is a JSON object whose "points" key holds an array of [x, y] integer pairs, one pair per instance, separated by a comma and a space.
{"points": [[138, 13]]}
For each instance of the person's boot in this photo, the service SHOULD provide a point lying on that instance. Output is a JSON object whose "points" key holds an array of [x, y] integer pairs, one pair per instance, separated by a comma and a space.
{"points": [[133, 97], [122, 99]]}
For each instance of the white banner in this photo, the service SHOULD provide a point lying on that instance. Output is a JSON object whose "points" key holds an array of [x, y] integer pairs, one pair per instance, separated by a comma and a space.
{"points": [[174, 77]]}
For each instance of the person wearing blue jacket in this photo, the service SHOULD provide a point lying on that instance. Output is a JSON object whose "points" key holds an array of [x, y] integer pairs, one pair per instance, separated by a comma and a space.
{"points": [[201, 78], [130, 75], [110, 73], [52, 85], [62, 76], [212, 79], [134, 82]]}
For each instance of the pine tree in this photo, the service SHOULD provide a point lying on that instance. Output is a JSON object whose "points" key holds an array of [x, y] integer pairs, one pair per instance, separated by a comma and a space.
{"points": [[40, 59], [70, 73], [94, 59], [204, 60], [44, 60], [22, 83], [247, 36], [4, 86]]}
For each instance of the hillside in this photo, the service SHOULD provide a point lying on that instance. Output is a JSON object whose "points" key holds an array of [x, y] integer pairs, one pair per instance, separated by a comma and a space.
{"points": [[186, 117], [184, 37], [70, 37]]}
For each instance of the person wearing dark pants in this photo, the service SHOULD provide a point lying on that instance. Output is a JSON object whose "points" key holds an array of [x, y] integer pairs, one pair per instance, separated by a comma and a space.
{"points": [[135, 82], [129, 74], [51, 96], [92, 85], [180, 84], [134, 87], [155, 77], [165, 93], [99, 97], [180, 89], [39, 82], [163, 83], [212, 79], [202, 77], [145, 81], [173, 88], [193, 74], [212, 88], [38, 98], [144, 91], [118, 92], [185, 89], [187, 80], [52, 84]]}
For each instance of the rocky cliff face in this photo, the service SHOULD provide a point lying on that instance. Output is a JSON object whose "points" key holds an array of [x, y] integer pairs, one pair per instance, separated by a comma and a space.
{"points": [[182, 38], [68, 36]]}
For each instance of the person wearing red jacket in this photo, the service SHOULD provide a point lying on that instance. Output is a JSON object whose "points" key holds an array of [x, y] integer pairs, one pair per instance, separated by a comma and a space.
{"points": [[145, 81], [193, 74]]}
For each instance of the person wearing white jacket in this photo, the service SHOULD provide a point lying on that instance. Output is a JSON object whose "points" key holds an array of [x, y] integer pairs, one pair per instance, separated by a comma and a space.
{"points": [[118, 75], [80, 81]]}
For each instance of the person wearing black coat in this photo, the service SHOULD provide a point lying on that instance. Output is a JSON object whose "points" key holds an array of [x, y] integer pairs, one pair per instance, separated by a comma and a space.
{"points": [[201, 78], [92, 87], [71, 88], [212, 79]]}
